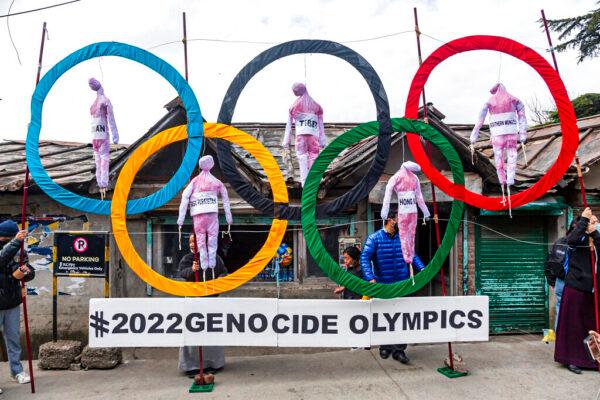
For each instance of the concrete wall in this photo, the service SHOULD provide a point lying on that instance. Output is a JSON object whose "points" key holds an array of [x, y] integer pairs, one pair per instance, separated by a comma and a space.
{"points": [[74, 293]]}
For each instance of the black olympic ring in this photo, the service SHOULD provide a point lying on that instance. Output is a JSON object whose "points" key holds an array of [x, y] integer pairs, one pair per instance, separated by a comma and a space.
{"points": [[360, 190]]}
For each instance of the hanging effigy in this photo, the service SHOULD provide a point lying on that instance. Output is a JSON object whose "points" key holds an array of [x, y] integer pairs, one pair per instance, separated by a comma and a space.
{"points": [[407, 187], [103, 124], [201, 195], [307, 117], [508, 126]]}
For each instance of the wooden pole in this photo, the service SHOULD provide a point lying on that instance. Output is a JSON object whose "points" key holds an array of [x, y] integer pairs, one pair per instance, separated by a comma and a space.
{"points": [[433, 197], [197, 278], [549, 40], [23, 226], [185, 54]]}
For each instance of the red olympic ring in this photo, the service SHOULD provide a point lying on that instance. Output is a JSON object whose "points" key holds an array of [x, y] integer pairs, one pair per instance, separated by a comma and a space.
{"points": [[568, 121]]}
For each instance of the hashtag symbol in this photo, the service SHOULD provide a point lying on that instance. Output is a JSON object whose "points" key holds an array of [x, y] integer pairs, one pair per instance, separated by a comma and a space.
{"points": [[99, 324]]}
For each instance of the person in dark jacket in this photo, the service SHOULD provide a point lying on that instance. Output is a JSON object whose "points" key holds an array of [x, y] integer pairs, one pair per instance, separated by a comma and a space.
{"points": [[213, 357], [576, 317], [352, 262], [381, 261], [10, 294]]}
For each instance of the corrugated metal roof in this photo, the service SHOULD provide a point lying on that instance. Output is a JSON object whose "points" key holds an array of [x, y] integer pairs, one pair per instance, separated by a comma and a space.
{"points": [[542, 148], [68, 163], [271, 136]]}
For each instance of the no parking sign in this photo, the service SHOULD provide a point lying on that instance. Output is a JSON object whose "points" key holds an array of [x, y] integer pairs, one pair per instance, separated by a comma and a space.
{"points": [[78, 254], [81, 253]]}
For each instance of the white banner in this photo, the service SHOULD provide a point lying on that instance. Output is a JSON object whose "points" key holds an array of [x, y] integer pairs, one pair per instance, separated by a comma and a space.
{"points": [[174, 322]]}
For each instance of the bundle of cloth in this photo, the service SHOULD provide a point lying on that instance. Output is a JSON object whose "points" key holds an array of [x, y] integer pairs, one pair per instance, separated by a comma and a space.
{"points": [[407, 187], [103, 124], [201, 196], [508, 125], [307, 117]]}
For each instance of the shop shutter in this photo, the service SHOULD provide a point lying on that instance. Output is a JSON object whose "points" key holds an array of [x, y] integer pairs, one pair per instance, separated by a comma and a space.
{"points": [[511, 272]]}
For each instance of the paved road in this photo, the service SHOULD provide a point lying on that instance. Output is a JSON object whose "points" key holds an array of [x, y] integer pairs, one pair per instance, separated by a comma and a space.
{"points": [[508, 367]]}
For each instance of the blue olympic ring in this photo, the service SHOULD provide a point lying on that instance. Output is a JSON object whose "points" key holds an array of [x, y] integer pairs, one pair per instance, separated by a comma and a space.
{"points": [[195, 129]]}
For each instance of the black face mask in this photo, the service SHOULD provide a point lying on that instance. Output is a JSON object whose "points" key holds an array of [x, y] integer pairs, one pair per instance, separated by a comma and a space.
{"points": [[396, 229]]}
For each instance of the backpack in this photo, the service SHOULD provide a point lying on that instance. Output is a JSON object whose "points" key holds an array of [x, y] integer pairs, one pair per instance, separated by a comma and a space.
{"points": [[557, 261]]}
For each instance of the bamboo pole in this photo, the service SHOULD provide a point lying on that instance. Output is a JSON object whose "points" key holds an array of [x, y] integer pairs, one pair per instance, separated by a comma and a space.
{"points": [[24, 226], [185, 53], [433, 197]]}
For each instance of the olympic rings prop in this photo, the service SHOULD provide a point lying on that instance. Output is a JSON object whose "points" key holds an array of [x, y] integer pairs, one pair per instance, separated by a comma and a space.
{"points": [[309, 199], [361, 189], [153, 62], [568, 121], [279, 205], [219, 285]]}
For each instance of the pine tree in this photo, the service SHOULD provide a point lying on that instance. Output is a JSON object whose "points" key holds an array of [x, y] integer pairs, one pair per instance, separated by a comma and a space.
{"points": [[581, 33]]}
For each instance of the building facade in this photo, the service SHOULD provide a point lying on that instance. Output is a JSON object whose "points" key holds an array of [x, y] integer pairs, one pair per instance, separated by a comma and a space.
{"points": [[493, 254]]}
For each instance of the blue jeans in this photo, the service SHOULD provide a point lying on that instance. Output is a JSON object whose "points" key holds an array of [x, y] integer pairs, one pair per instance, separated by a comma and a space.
{"points": [[10, 324], [559, 286]]}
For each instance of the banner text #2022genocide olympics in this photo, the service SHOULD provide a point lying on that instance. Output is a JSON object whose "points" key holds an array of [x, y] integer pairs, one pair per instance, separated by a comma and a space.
{"points": [[286, 323]]}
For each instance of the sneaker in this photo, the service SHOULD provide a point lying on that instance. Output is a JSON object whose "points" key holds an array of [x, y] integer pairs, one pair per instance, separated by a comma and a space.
{"points": [[22, 378]]}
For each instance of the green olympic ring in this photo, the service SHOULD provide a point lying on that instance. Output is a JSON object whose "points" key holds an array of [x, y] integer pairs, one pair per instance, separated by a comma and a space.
{"points": [[309, 202]]}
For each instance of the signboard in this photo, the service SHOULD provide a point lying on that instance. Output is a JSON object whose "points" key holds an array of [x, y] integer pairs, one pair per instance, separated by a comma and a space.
{"points": [[78, 254], [81, 254], [174, 322]]}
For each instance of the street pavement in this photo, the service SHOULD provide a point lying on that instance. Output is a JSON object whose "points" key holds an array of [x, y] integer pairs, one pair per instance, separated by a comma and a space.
{"points": [[507, 367]]}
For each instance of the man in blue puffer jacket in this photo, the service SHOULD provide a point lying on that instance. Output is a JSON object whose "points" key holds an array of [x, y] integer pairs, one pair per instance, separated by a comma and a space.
{"points": [[381, 261]]}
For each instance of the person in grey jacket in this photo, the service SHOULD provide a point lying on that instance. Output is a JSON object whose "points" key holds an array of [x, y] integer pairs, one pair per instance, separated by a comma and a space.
{"points": [[11, 273], [213, 357]]}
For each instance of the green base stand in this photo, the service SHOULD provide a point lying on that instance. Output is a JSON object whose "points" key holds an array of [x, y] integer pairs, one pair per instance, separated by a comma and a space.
{"points": [[201, 388], [450, 373]]}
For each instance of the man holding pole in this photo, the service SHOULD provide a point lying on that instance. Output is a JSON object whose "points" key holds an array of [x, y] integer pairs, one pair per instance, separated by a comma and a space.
{"points": [[10, 294]]}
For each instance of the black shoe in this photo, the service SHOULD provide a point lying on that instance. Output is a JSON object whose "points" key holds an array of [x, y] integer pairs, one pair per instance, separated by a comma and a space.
{"points": [[384, 353], [191, 373], [399, 355], [574, 369]]}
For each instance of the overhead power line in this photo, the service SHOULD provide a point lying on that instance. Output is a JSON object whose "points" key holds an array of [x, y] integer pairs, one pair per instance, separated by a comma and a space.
{"points": [[38, 9], [273, 43]]}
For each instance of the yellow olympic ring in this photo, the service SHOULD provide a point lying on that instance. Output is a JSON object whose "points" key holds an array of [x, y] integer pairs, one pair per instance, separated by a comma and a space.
{"points": [[220, 285]]}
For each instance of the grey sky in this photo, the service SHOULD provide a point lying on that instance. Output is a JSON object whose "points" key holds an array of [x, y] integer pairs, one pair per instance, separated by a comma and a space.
{"points": [[458, 87]]}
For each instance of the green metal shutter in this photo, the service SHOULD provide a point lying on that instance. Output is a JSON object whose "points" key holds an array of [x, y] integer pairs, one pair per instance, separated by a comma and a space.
{"points": [[511, 272]]}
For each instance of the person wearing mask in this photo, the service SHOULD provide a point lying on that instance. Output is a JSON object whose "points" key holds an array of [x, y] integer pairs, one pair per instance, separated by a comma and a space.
{"points": [[213, 357], [11, 274], [577, 310], [351, 257], [382, 261]]}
